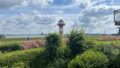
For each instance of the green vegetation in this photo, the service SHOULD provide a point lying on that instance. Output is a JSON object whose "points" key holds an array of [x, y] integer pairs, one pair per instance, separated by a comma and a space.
{"points": [[115, 63], [14, 40], [76, 51], [89, 59], [19, 57], [76, 42], [10, 47], [53, 42], [12, 44], [44, 60]]}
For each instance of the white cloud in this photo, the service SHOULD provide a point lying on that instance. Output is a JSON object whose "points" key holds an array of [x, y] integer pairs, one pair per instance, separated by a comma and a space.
{"points": [[24, 3], [29, 23], [94, 15], [12, 3], [41, 3], [83, 2]]}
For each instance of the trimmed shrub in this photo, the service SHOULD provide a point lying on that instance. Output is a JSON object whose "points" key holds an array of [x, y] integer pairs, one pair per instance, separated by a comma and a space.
{"points": [[76, 42], [10, 47], [10, 59], [89, 59]]}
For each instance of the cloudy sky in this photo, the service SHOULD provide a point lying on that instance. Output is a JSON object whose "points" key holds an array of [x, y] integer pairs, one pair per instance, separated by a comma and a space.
{"points": [[36, 16]]}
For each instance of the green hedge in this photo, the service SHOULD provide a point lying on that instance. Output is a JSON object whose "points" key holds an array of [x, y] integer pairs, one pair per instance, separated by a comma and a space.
{"points": [[10, 59], [10, 47]]}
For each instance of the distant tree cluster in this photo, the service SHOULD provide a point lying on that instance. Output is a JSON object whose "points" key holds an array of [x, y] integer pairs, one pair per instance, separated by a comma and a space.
{"points": [[2, 36]]}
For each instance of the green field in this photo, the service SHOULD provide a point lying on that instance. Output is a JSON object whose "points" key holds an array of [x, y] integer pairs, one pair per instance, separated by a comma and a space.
{"points": [[99, 42], [14, 40], [19, 40]]}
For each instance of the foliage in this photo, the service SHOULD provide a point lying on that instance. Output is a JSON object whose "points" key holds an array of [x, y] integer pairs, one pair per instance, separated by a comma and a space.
{"points": [[89, 59], [115, 63], [53, 42], [89, 44], [56, 54], [110, 50], [10, 47], [59, 63], [76, 42], [9, 59], [19, 65]]}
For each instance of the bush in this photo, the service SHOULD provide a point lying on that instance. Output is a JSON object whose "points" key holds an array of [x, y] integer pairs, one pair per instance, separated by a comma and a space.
{"points": [[59, 63], [115, 63], [89, 44], [19, 65], [10, 47], [108, 49], [53, 42], [40, 61], [76, 42], [89, 59], [10, 59]]}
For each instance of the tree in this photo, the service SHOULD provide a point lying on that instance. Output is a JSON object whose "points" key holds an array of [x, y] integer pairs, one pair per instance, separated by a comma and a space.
{"points": [[76, 42]]}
